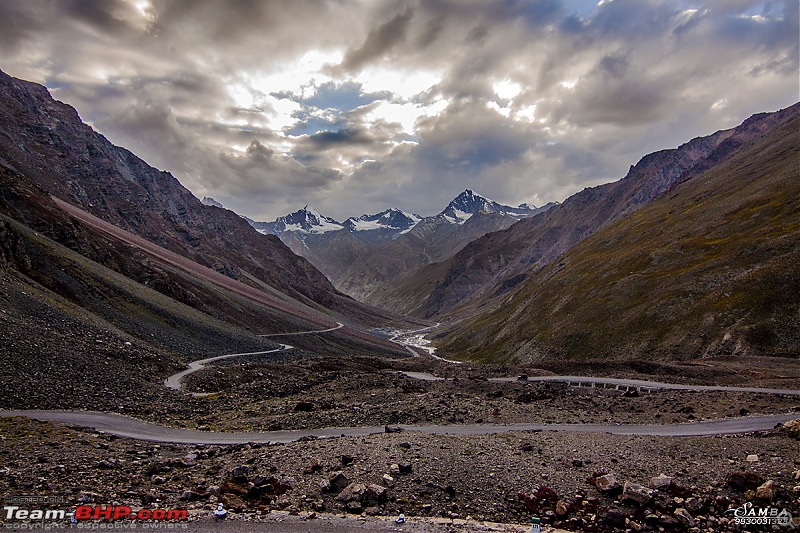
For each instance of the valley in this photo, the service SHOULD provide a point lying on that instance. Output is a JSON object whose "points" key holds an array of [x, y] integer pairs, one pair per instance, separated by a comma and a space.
{"points": [[626, 360]]}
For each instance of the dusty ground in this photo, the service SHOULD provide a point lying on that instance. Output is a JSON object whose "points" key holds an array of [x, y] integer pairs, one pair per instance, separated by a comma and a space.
{"points": [[504, 478], [323, 392]]}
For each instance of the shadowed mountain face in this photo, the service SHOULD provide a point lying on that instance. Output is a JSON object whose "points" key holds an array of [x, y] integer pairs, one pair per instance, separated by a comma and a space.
{"points": [[709, 268], [495, 263], [45, 141], [135, 257]]}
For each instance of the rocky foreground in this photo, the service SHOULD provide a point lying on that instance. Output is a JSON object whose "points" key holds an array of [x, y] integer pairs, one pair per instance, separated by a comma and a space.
{"points": [[577, 482]]}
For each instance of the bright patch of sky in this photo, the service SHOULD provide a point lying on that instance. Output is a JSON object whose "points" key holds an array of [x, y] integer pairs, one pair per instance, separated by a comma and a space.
{"points": [[405, 84], [506, 89], [415, 101]]}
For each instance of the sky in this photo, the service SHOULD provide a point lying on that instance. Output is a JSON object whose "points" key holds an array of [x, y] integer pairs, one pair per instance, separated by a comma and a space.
{"points": [[357, 106]]}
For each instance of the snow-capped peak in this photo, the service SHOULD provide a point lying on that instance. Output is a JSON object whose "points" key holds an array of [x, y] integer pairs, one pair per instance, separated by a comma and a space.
{"points": [[467, 204], [306, 220], [390, 219]]}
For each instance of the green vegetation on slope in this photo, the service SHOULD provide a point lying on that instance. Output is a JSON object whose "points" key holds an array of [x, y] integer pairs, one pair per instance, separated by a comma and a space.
{"points": [[709, 268]]}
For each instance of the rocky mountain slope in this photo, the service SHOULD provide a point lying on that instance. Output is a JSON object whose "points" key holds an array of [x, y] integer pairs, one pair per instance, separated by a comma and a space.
{"points": [[45, 141], [79, 292], [364, 256], [495, 263], [708, 268]]}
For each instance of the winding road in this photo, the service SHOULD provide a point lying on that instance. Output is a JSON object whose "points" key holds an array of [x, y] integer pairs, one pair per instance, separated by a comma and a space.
{"points": [[123, 426], [339, 325], [174, 381]]}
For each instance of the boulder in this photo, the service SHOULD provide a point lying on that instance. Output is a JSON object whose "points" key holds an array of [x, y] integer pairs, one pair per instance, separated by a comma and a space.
{"points": [[352, 492], [637, 493], [338, 481], [562, 508], [353, 507], [684, 517], [742, 481], [693, 505], [190, 496], [313, 466], [792, 428], [375, 493], [239, 474], [615, 518], [607, 483], [752, 458], [767, 491], [661, 481], [234, 502]]}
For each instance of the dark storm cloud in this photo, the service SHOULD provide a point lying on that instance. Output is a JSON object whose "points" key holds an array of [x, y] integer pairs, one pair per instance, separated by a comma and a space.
{"points": [[471, 136], [259, 173], [17, 22], [106, 15], [211, 90], [327, 140], [463, 147], [379, 41]]}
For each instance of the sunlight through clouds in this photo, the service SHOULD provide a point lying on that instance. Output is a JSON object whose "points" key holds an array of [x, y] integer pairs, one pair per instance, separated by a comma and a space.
{"points": [[252, 102]]}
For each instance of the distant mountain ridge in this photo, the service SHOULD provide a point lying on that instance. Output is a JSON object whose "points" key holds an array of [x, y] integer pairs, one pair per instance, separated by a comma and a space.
{"points": [[389, 223], [466, 204], [362, 253], [390, 219]]}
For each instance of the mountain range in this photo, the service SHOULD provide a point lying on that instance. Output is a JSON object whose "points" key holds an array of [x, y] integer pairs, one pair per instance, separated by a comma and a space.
{"points": [[692, 253], [362, 253], [495, 289]]}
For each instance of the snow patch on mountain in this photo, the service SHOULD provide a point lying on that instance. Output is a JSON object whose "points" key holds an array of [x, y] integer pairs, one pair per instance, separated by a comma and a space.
{"points": [[467, 204], [307, 220], [207, 200], [391, 219]]}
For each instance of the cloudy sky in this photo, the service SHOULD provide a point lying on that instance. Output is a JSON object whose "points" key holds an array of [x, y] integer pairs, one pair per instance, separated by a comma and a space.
{"points": [[355, 106]]}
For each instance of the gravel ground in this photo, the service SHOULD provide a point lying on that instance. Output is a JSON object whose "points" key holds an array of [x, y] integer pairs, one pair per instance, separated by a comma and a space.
{"points": [[321, 392], [504, 478]]}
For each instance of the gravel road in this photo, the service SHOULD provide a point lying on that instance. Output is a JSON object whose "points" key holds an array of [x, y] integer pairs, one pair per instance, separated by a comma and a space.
{"points": [[124, 426]]}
